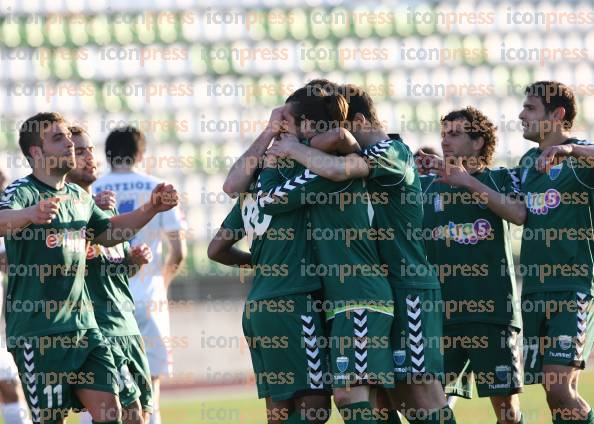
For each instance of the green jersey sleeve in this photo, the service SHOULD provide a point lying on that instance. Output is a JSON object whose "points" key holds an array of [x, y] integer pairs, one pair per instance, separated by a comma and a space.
{"points": [[277, 195], [389, 158], [16, 196], [234, 220], [505, 181]]}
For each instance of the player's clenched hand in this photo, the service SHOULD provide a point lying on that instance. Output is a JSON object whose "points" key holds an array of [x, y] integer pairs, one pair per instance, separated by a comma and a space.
{"points": [[427, 163], [106, 200], [552, 156], [45, 211], [141, 254], [283, 146], [164, 197]]}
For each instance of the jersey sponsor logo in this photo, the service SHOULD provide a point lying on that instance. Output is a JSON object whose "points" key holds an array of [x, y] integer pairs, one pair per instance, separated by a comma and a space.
{"points": [[126, 206], [466, 233], [399, 357], [74, 241], [342, 362], [503, 372], [255, 223], [555, 171], [541, 203]]}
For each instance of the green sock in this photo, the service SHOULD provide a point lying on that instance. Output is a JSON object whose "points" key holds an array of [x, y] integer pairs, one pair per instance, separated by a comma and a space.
{"points": [[357, 413], [442, 416], [559, 419]]}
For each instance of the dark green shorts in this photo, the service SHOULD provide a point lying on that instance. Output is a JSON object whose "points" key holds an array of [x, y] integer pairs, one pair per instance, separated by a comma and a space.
{"points": [[416, 334], [52, 368], [134, 377], [360, 348], [558, 330], [488, 354], [286, 340]]}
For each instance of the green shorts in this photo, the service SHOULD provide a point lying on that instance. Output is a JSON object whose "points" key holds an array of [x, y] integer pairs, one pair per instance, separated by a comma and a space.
{"points": [[285, 336], [52, 368], [134, 377], [488, 354], [558, 330], [360, 348], [416, 334]]}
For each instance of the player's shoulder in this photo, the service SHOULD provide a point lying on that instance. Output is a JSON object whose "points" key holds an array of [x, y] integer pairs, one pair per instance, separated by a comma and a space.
{"points": [[393, 143], [531, 153], [22, 188]]}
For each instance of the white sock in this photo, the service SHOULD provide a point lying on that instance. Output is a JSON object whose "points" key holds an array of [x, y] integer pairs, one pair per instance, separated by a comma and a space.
{"points": [[15, 413], [155, 416], [85, 418]]}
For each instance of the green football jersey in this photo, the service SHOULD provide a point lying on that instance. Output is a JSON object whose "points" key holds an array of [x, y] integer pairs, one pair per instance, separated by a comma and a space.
{"points": [[470, 248], [340, 230], [397, 200], [557, 242], [46, 275], [278, 246], [108, 285]]}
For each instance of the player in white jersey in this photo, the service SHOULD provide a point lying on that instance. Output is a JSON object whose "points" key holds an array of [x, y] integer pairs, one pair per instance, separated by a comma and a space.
{"points": [[124, 149], [12, 401]]}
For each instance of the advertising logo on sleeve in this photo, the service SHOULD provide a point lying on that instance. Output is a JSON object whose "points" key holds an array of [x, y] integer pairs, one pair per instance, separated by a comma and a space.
{"points": [[255, 223]]}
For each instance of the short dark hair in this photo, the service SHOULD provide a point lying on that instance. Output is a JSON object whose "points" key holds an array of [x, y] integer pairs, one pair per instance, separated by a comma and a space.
{"points": [[123, 145], [318, 105], [360, 102], [480, 126], [30, 133], [554, 94], [77, 130]]}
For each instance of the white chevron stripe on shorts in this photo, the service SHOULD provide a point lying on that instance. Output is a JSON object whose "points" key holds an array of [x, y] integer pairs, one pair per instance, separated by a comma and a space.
{"points": [[314, 362], [31, 383], [582, 322], [415, 334]]}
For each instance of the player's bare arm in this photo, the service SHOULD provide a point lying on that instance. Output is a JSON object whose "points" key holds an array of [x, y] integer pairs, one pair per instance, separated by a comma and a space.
{"points": [[221, 249], [339, 140], [242, 172], [334, 168], [123, 227], [512, 209], [177, 250], [41, 213]]}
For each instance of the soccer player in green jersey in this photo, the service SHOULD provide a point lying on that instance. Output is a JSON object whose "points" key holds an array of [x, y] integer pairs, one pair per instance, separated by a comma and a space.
{"points": [[556, 259], [355, 288], [469, 244], [395, 193], [51, 329], [282, 322], [108, 269]]}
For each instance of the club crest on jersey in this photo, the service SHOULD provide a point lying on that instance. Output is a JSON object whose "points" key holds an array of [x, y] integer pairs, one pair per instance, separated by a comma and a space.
{"points": [[466, 233], [399, 356], [555, 171], [565, 342], [342, 362], [541, 203], [502, 372]]}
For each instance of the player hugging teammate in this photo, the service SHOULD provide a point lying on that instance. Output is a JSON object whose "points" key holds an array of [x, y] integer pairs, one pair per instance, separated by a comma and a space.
{"points": [[326, 150]]}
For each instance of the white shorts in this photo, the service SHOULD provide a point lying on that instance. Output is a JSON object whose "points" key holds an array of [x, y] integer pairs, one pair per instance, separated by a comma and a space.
{"points": [[152, 316], [8, 369]]}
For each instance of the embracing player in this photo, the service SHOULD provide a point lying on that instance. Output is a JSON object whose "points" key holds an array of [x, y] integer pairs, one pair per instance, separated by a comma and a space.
{"points": [[52, 334], [395, 198], [281, 304], [125, 149], [468, 241], [557, 180], [108, 269]]}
